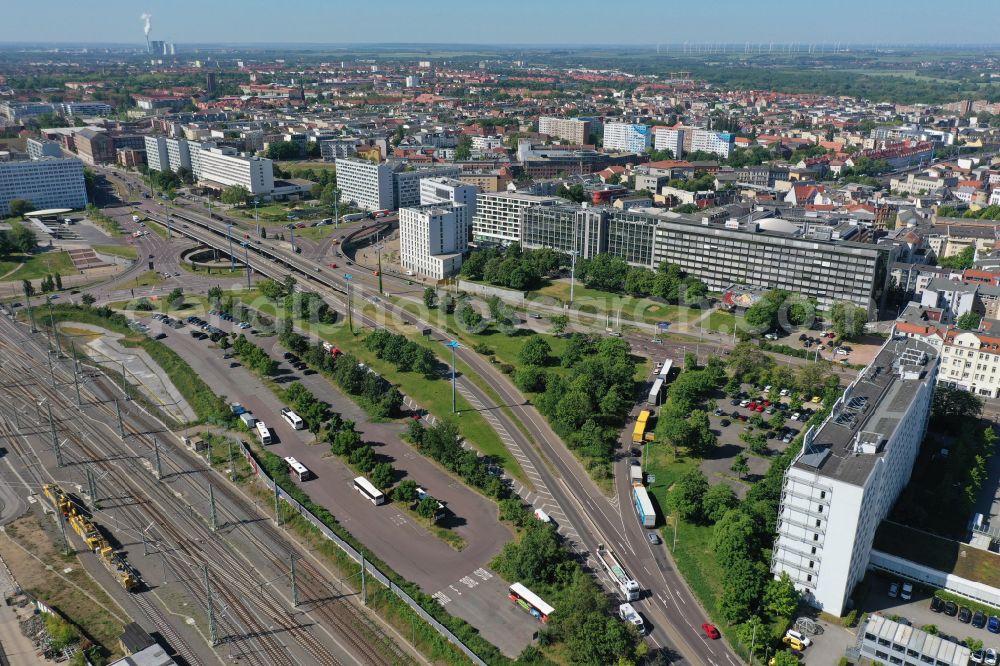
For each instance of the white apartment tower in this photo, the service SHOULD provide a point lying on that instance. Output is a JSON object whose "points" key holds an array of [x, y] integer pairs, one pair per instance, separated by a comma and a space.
{"points": [[364, 182], [574, 130], [432, 239], [210, 164], [406, 181], [445, 190], [850, 472], [626, 137], [669, 138]]}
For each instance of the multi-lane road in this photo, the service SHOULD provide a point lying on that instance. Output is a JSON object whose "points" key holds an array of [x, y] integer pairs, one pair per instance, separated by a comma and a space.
{"points": [[558, 481]]}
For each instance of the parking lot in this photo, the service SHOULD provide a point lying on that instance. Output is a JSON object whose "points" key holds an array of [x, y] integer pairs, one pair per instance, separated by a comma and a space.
{"points": [[754, 411], [918, 612]]}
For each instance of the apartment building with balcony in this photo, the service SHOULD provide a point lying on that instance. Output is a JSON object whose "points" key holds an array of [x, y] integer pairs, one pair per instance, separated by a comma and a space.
{"points": [[850, 471]]}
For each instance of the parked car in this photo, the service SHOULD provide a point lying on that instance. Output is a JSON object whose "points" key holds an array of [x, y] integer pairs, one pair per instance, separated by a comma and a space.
{"points": [[719, 412], [907, 592], [937, 604], [993, 624], [893, 590], [979, 619], [964, 615], [950, 608], [977, 657], [724, 423], [990, 657], [800, 637], [653, 538]]}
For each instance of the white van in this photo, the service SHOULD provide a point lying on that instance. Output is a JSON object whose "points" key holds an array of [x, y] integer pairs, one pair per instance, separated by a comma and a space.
{"points": [[800, 637]]}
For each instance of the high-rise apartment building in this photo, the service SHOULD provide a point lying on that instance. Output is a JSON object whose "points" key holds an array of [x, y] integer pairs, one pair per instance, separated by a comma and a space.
{"points": [[48, 182], [720, 143], [498, 215], [574, 130], [669, 138], [627, 137], [444, 190], [432, 239], [157, 158], [366, 183], [850, 472]]}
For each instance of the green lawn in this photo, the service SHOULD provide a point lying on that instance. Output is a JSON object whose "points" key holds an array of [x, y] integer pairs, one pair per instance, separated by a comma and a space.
{"points": [[39, 265], [601, 302], [308, 165], [720, 321], [157, 229], [433, 394], [147, 279], [125, 251]]}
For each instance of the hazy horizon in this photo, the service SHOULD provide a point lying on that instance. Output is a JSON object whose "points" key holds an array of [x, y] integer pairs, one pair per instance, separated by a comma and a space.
{"points": [[519, 23]]}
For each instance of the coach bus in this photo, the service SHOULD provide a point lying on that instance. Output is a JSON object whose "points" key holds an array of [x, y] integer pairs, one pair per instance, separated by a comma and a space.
{"points": [[370, 492], [643, 507], [440, 512], [263, 433], [292, 418], [297, 469], [530, 602]]}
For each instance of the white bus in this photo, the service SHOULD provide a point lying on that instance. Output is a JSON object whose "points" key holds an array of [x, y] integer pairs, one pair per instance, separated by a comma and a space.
{"points": [[530, 602], [263, 433], [627, 586], [370, 492], [439, 514], [643, 506], [292, 418], [297, 469]]}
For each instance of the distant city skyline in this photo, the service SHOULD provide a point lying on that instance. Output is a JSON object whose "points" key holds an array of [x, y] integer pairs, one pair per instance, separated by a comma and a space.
{"points": [[515, 22]]}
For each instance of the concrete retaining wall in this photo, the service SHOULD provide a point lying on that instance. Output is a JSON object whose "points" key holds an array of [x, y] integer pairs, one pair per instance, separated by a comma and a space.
{"points": [[508, 295]]}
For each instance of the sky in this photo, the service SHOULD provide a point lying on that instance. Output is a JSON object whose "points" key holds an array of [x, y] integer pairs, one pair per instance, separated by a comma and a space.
{"points": [[540, 22]]}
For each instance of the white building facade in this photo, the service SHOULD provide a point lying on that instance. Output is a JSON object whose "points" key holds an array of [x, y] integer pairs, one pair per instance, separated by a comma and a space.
{"points": [[406, 182], [720, 143], [432, 239], [669, 138], [48, 182], [850, 472], [367, 184], [627, 137], [39, 148], [444, 190], [498, 215]]}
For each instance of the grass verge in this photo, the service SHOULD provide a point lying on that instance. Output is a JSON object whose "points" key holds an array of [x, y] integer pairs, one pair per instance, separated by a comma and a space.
{"points": [[124, 251], [39, 265]]}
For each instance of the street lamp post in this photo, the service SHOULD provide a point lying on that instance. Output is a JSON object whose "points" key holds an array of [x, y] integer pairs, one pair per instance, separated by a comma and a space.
{"points": [[572, 275], [256, 217], [232, 259], [246, 260], [350, 316], [454, 345]]}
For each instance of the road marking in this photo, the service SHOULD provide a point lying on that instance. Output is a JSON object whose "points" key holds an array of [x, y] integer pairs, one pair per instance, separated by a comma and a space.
{"points": [[468, 581], [442, 598], [730, 660], [483, 573], [455, 590], [680, 596]]}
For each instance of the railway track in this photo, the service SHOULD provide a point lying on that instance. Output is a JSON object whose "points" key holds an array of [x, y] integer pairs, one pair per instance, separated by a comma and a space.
{"points": [[350, 623]]}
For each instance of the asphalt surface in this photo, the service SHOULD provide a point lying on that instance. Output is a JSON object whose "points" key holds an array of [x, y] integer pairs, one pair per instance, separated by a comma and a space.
{"points": [[390, 532], [670, 609]]}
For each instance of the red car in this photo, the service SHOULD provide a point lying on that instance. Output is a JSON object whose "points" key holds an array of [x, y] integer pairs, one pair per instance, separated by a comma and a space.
{"points": [[333, 265], [760, 408], [710, 631], [752, 406]]}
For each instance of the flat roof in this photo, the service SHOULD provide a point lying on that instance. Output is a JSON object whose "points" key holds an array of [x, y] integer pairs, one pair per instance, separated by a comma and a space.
{"points": [[48, 212], [853, 437]]}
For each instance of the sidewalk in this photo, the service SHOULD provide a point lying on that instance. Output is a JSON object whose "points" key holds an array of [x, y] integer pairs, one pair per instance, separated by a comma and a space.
{"points": [[18, 649]]}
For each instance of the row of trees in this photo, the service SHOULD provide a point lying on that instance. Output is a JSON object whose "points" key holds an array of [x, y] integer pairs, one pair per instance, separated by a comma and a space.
{"points": [[443, 443], [345, 441], [408, 356], [607, 273], [584, 621], [291, 150], [254, 357], [587, 402], [312, 410], [379, 398], [512, 268]]}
